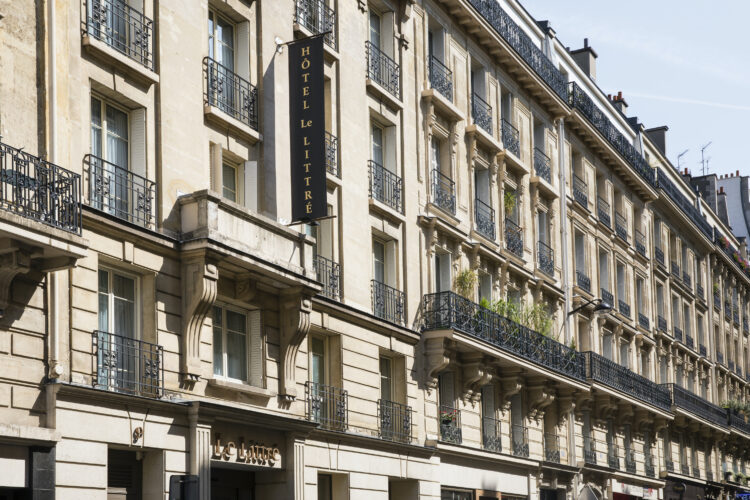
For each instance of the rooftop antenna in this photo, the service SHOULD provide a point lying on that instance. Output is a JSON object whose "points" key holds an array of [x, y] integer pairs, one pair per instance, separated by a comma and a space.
{"points": [[679, 157], [704, 161]]}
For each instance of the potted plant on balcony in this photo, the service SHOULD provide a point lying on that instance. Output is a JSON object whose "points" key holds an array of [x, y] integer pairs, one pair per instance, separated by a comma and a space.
{"points": [[464, 283], [739, 477], [447, 417], [509, 202]]}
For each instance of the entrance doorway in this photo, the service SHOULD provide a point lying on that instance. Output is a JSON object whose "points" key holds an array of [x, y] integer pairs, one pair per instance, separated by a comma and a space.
{"points": [[229, 484]]}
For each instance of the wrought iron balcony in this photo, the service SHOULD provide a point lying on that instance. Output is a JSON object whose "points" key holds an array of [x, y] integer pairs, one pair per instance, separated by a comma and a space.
{"points": [[481, 113], [661, 323], [677, 333], [450, 424], [686, 279], [590, 447], [128, 365], [39, 190], [441, 78], [385, 186], [546, 258], [383, 70], [492, 434], [739, 422], [120, 192], [607, 297], [513, 238], [603, 212], [327, 405], [601, 369], [720, 358], [702, 350], [643, 321], [443, 191], [717, 300], [699, 291], [450, 311], [520, 439], [613, 456], [583, 281], [685, 469], [387, 302], [552, 447], [689, 341], [630, 465], [659, 256], [731, 365], [738, 371], [696, 473], [640, 243], [621, 227], [317, 17], [675, 270], [685, 205], [230, 93], [511, 137], [123, 28], [669, 465], [736, 316], [624, 308], [394, 421], [542, 165], [648, 466], [522, 44], [686, 400], [578, 99], [727, 311], [484, 218], [332, 154], [580, 191], [745, 325], [329, 273], [709, 475]]}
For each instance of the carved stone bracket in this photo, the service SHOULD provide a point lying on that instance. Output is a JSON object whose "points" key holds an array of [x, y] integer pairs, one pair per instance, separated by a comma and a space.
{"points": [[476, 374], [294, 315], [199, 280], [436, 360], [511, 386], [13, 262], [540, 397]]}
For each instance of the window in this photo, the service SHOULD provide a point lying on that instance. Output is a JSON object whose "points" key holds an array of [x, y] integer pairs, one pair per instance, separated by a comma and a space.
{"points": [[109, 133], [679, 375], [607, 340], [663, 370], [625, 354], [325, 487], [386, 379], [686, 320], [660, 300], [580, 249], [645, 368], [442, 272], [378, 259], [621, 283], [124, 474], [117, 304], [604, 270], [485, 287], [543, 226], [221, 40], [376, 140], [639, 302], [230, 182], [375, 28], [238, 345]]}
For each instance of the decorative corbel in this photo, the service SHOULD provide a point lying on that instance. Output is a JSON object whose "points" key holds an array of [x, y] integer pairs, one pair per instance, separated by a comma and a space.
{"points": [[605, 406], [583, 402], [473, 371], [294, 315], [245, 289], [565, 405], [511, 385], [199, 279], [436, 360], [625, 414], [13, 261], [403, 41], [540, 397]]}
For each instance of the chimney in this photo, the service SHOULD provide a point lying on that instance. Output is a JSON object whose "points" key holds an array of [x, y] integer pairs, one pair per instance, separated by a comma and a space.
{"points": [[619, 102], [585, 58], [658, 136], [721, 206]]}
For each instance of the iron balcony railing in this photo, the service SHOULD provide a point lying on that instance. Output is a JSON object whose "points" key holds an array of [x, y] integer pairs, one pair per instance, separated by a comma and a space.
{"points": [[329, 273], [730, 364], [739, 422], [580, 100], [685, 205], [613, 456], [685, 469], [327, 405], [603, 212], [624, 308], [727, 311], [686, 279], [699, 291], [601, 369], [717, 301], [643, 321], [669, 465], [387, 302], [332, 154], [39, 190], [686, 400], [383, 70], [590, 449], [709, 475], [583, 281], [546, 258], [511, 137], [492, 434], [677, 333], [675, 270], [640, 243], [230, 93], [317, 17], [580, 191], [448, 310], [123, 28], [607, 297], [441, 78], [395, 421], [659, 256], [484, 218], [128, 365], [738, 371], [542, 165], [702, 350], [630, 463], [621, 227], [513, 237], [385, 186], [443, 191], [519, 436], [696, 472], [745, 325], [689, 341], [736, 316], [481, 113], [661, 323], [552, 447], [648, 466], [450, 424], [120, 192], [720, 358]]}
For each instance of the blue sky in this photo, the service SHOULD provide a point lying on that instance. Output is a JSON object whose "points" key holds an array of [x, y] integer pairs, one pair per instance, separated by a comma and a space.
{"points": [[683, 64]]}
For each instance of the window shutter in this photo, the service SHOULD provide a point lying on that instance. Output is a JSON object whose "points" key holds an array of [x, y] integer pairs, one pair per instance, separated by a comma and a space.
{"points": [[215, 164], [243, 50], [138, 141], [251, 185], [256, 349], [446, 389]]}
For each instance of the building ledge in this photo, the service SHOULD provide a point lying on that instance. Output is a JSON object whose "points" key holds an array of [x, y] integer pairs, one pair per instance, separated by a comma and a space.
{"points": [[24, 434], [236, 127], [240, 387], [100, 50]]}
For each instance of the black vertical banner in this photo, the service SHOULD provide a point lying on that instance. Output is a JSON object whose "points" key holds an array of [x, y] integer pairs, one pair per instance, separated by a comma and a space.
{"points": [[307, 129]]}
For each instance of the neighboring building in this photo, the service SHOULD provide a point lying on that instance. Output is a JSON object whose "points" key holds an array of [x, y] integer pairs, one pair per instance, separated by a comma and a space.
{"points": [[161, 325], [737, 190]]}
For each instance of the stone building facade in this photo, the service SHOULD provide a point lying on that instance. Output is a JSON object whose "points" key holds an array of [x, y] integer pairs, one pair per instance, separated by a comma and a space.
{"points": [[515, 293]]}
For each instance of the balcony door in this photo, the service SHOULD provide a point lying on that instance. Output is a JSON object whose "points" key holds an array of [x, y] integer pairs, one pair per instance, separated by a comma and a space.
{"points": [[221, 51], [319, 377], [110, 149], [118, 360], [112, 27]]}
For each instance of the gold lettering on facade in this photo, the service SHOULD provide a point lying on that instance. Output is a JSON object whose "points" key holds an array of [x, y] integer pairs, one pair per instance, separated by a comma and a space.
{"points": [[305, 63], [305, 51], [308, 207], [308, 195], [305, 123], [255, 454]]}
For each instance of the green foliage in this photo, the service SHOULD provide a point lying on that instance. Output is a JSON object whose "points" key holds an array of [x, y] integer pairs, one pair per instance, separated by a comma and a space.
{"points": [[464, 283], [509, 202], [716, 288], [572, 344], [536, 317], [737, 407]]}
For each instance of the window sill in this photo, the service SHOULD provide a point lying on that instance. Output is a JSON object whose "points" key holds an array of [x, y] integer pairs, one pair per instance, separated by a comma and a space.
{"points": [[240, 387], [235, 126], [102, 51]]}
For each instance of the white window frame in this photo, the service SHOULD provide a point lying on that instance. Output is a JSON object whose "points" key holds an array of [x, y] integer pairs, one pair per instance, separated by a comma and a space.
{"points": [[137, 333], [104, 103], [226, 306]]}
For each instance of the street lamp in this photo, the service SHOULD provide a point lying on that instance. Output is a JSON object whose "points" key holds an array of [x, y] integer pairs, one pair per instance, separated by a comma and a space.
{"points": [[600, 307]]}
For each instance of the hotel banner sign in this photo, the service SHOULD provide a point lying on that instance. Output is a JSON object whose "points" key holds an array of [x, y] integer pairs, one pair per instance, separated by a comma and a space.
{"points": [[307, 129]]}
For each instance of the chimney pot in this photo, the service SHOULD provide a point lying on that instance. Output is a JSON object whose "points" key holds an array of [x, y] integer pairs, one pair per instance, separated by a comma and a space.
{"points": [[737, 173], [585, 43]]}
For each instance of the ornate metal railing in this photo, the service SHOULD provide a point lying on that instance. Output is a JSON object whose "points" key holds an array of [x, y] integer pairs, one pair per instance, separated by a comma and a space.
{"points": [[395, 421], [580, 191], [542, 165], [332, 154], [613, 455], [481, 113], [696, 472], [546, 258], [702, 350], [621, 226], [443, 191], [327, 405], [492, 433], [589, 450], [618, 377], [119, 192], [522, 44], [441, 78], [682, 398], [727, 311], [383, 70], [699, 291], [519, 437], [669, 465], [387, 302], [738, 422], [551, 447], [39, 190], [607, 297], [730, 364], [123, 28], [736, 316], [513, 237], [686, 279], [630, 463], [448, 310], [579, 99], [685, 205], [661, 323], [648, 466], [128, 365], [385, 186], [603, 212], [317, 17], [720, 358], [717, 301], [484, 218], [685, 469], [640, 243], [659, 256], [624, 308], [675, 268], [643, 321], [329, 273], [450, 424], [230, 93], [677, 333], [689, 340], [511, 137], [583, 281]]}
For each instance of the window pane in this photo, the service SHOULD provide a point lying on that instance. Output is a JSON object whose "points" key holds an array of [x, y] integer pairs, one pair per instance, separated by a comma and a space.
{"points": [[236, 322], [375, 29], [117, 137], [236, 355], [124, 287], [218, 343], [96, 127], [385, 379], [377, 144], [317, 347], [229, 182], [378, 256]]}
